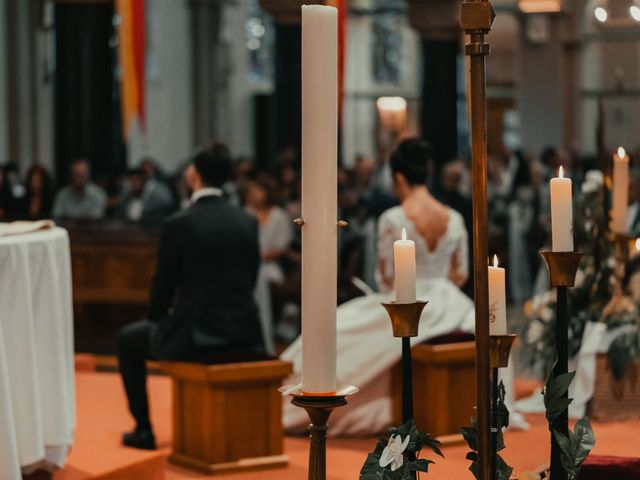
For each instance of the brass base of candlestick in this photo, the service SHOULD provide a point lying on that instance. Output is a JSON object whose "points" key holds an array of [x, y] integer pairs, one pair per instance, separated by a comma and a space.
{"points": [[405, 317], [563, 267], [499, 350], [319, 409]]}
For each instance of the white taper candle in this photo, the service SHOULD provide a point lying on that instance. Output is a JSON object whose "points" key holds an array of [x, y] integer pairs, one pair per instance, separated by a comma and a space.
{"points": [[404, 259], [497, 299], [561, 213], [620, 191], [319, 197]]}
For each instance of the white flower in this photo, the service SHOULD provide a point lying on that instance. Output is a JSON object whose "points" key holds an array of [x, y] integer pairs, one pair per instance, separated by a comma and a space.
{"points": [[595, 176], [536, 329], [392, 453]]}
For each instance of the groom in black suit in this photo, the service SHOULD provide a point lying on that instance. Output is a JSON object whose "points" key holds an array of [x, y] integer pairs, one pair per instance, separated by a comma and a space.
{"points": [[202, 306]]}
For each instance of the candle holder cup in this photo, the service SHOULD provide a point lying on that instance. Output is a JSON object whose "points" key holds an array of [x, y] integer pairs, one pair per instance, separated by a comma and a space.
{"points": [[563, 267], [319, 409], [405, 317], [499, 350]]}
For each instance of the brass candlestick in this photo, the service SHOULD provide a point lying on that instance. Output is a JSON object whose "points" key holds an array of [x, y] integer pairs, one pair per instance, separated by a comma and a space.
{"points": [[405, 319], [620, 302], [319, 409], [563, 267], [476, 19], [499, 350]]}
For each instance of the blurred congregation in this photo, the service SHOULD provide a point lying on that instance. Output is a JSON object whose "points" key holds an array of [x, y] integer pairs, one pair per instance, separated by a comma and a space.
{"points": [[146, 195]]}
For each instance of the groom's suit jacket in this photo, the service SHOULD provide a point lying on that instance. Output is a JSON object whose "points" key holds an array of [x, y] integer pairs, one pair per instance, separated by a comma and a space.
{"points": [[202, 293]]}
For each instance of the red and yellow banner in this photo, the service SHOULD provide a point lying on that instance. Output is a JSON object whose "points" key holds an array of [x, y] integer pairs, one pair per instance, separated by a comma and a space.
{"points": [[131, 52], [341, 5]]}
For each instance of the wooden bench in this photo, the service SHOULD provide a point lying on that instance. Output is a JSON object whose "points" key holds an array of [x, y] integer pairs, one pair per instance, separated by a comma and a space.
{"points": [[227, 418], [443, 388]]}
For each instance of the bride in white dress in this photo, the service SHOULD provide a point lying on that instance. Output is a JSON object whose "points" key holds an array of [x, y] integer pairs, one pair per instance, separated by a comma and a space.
{"points": [[366, 346]]}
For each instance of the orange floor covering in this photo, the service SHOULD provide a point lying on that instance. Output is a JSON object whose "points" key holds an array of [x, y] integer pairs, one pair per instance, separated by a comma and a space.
{"points": [[102, 417]]}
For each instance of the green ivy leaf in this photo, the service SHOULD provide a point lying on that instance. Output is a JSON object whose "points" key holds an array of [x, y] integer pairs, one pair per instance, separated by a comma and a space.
{"points": [[576, 447], [426, 439], [503, 470], [470, 435], [473, 468], [555, 389]]}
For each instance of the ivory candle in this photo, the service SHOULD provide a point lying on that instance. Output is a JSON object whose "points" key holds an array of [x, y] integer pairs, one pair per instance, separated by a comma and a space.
{"points": [[561, 213], [404, 259], [620, 191], [319, 197], [497, 300]]}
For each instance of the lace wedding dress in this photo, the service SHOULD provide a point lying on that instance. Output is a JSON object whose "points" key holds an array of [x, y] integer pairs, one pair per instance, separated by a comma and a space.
{"points": [[366, 346]]}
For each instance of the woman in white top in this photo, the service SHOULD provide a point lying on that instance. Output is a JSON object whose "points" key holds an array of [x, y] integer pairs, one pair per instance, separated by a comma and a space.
{"points": [[275, 232], [366, 346]]}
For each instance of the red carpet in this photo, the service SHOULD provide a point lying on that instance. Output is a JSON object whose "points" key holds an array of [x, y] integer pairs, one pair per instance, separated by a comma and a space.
{"points": [[102, 417]]}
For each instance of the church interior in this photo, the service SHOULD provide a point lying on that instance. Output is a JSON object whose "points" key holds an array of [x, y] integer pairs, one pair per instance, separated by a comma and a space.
{"points": [[252, 238]]}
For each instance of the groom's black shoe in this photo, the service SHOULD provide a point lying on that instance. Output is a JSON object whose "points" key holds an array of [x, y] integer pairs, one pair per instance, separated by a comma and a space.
{"points": [[140, 438]]}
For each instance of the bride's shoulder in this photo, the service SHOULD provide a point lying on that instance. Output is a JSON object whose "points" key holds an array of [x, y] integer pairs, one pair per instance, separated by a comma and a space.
{"points": [[456, 220], [393, 215]]}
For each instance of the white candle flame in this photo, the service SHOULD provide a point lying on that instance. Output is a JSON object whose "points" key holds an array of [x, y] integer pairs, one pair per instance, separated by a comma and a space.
{"points": [[621, 152], [637, 243], [495, 258], [404, 234], [561, 172]]}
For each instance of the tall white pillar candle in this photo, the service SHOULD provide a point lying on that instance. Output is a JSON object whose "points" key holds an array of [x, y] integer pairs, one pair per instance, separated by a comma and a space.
{"points": [[497, 300], [561, 214], [404, 259], [319, 197], [620, 191]]}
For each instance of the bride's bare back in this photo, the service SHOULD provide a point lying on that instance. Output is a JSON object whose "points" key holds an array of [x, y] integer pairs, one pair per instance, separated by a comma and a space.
{"points": [[429, 217]]}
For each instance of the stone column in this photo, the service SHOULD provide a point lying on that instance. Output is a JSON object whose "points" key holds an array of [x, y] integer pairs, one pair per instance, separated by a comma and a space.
{"points": [[438, 24]]}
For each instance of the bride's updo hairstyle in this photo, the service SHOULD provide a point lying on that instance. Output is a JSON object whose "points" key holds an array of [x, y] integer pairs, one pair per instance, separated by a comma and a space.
{"points": [[410, 159]]}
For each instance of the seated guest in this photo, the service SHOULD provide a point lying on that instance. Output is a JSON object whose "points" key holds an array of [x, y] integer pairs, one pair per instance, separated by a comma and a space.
{"points": [[39, 193], [146, 199], [81, 199], [275, 224], [210, 254]]}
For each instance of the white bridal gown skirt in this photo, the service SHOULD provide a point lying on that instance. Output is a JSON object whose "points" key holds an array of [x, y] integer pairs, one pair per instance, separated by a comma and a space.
{"points": [[367, 349]]}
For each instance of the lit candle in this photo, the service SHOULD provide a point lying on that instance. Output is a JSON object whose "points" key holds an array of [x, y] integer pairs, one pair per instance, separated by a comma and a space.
{"points": [[497, 300], [561, 214], [404, 256], [620, 191], [319, 197]]}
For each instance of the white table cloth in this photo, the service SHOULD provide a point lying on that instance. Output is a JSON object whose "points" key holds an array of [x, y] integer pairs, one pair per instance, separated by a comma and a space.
{"points": [[37, 397]]}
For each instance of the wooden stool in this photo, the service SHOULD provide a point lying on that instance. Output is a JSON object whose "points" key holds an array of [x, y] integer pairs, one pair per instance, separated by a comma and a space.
{"points": [[227, 418], [444, 388]]}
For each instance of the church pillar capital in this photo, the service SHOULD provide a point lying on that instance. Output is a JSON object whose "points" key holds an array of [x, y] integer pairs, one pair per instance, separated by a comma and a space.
{"points": [[435, 19]]}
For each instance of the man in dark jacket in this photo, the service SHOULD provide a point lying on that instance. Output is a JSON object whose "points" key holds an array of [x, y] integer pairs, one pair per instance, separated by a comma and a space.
{"points": [[202, 295]]}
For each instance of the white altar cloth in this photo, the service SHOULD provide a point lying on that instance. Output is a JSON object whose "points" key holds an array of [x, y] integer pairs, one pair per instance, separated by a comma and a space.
{"points": [[37, 397]]}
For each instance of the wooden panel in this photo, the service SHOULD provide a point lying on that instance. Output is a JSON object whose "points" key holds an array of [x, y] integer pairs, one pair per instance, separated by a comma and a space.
{"points": [[443, 386]]}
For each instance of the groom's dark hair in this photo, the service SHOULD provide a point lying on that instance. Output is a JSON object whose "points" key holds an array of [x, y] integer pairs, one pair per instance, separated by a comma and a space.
{"points": [[410, 159]]}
